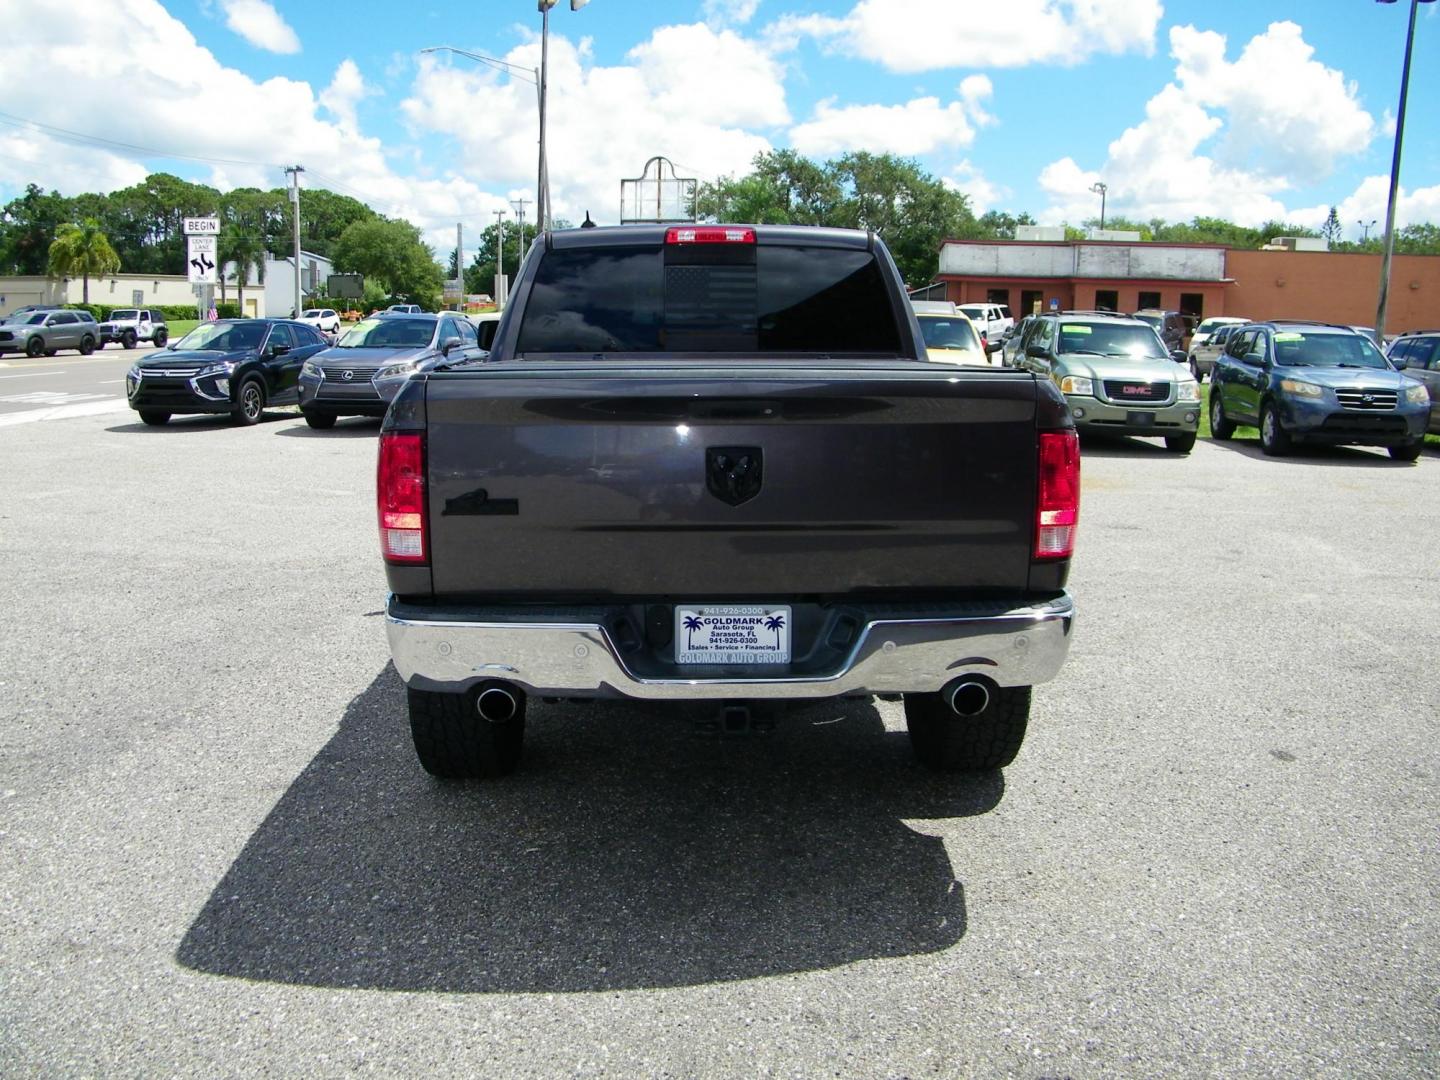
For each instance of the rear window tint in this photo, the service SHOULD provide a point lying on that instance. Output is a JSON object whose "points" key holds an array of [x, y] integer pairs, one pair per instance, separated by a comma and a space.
{"points": [[707, 298]]}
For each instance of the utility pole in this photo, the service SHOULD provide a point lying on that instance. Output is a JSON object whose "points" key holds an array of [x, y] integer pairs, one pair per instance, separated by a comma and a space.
{"points": [[460, 262], [1100, 188], [500, 290], [294, 172], [519, 205]]}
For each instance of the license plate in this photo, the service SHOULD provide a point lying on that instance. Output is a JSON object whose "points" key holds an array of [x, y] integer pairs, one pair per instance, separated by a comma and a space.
{"points": [[1145, 419], [732, 634]]}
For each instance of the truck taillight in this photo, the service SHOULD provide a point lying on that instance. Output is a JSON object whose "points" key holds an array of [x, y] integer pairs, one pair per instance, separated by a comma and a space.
{"points": [[400, 497], [1057, 502], [709, 234]]}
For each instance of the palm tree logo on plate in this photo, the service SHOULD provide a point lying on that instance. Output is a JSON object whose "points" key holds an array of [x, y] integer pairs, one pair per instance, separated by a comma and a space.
{"points": [[775, 623], [691, 624]]}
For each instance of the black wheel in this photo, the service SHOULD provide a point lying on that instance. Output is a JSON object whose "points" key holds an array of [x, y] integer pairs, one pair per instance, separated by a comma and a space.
{"points": [[1180, 444], [249, 402], [34, 347], [1273, 439], [320, 421], [51, 352], [153, 418], [1407, 453], [160, 337], [127, 339], [1220, 427], [87, 345], [1195, 372], [946, 742], [452, 739]]}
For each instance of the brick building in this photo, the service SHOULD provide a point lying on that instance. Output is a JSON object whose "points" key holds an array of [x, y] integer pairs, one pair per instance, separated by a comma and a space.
{"points": [[1199, 279]]}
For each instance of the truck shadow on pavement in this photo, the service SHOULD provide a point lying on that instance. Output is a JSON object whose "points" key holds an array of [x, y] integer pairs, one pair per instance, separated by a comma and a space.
{"points": [[631, 850], [1354, 457]]}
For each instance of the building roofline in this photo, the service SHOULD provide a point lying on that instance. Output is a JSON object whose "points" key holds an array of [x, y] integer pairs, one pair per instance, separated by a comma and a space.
{"points": [[1083, 240]]}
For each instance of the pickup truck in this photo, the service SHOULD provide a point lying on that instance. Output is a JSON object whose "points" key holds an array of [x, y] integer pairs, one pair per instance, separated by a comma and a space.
{"points": [[711, 463]]}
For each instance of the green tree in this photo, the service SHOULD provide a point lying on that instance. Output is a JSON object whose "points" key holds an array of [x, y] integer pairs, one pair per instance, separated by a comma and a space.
{"points": [[241, 246], [324, 216], [391, 254], [997, 225], [84, 250], [1332, 230], [28, 226]]}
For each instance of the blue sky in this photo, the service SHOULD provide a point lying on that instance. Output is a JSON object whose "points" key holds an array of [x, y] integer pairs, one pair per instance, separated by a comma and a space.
{"points": [[1241, 109]]}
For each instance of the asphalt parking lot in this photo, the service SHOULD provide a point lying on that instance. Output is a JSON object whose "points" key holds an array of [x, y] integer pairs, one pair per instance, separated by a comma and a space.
{"points": [[1215, 856]]}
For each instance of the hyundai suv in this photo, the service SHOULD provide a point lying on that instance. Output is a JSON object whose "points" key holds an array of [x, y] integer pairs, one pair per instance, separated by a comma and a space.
{"points": [[1116, 376], [1303, 382]]}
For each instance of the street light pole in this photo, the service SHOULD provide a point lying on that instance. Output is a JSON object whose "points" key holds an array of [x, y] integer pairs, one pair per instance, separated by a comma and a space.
{"points": [[1395, 174], [542, 194], [295, 171], [1366, 226], [1100, 188]]}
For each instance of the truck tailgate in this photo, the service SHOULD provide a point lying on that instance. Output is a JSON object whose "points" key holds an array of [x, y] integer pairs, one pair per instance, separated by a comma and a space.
{"points": [[737, 482]]}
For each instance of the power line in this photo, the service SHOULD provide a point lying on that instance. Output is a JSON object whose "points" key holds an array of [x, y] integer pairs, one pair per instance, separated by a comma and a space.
{"points": [[98, 140]]}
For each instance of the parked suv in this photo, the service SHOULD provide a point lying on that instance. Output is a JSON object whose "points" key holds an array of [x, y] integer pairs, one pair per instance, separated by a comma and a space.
{"points": [[1417, 354], [235, 366], [1172, 326], [48, 332], [1311, 382], [1203, 353], [1116, 376], [992, 320], [326, 320], [131, 325], [359, 376]]}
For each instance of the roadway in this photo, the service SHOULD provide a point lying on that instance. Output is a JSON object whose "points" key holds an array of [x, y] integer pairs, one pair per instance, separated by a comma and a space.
{"points": [[64, 385]]}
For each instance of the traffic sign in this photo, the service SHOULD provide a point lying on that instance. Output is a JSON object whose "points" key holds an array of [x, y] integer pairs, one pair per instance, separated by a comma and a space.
{"points": [[200, 260], [202, 226]]}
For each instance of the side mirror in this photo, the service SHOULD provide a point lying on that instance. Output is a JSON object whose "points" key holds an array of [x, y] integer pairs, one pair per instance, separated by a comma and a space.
{"points": [[1400, 362], [1178, 355], [448, 345], [1035, 352], [279, 350], [1256, 358]]}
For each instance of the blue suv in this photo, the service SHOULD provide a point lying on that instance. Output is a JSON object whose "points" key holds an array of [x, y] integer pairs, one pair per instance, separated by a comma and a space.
{"points": [[1302, 382]]}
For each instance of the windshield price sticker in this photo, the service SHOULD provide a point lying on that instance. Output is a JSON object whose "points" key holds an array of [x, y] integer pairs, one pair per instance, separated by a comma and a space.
{"points": [[732, 634], [1076, 329], [1289, 337]]}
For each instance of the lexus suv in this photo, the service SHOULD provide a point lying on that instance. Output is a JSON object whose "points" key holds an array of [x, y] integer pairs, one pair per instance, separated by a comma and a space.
{"points": [[234, 366], [360, 375], [1305, 382], [1116, 376]]}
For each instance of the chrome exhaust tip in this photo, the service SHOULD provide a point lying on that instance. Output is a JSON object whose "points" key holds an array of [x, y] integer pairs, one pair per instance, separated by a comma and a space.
{"points": [[497, 705], [968, 697]]}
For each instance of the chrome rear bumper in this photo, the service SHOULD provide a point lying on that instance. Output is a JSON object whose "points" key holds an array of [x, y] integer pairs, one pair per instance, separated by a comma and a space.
{"points": [[578, 658]]}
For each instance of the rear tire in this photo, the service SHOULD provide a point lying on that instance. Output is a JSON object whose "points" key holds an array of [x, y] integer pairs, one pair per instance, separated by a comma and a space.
{"points": [[454, 742], [1407, 453], [945, 742], [160, 337], [1180, 444], [153, 418], [1273, 439], [320, 421], [1220, 427], [87, 345], [249, 403]]}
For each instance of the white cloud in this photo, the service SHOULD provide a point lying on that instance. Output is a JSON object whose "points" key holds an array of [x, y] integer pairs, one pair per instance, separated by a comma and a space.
{"points": [[730, 12], [344, 93], [984, 194], [259, 23], [1367, 203], [1267, 122], [917, 127], [900, 37], [155, 86], [604, 123]]}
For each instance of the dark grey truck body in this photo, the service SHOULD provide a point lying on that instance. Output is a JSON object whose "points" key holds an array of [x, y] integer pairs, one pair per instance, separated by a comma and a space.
{"points": [[573, 500]]}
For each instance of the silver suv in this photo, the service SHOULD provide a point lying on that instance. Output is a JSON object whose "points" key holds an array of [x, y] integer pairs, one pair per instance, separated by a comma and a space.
{"points": [[48, 332]]}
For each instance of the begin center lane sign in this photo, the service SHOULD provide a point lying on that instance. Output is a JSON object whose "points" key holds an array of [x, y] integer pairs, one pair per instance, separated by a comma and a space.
{"points": [[200, 260]]}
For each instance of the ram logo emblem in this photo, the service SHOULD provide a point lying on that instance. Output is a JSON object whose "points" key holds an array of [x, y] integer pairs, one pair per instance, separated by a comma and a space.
{"points": [[733, 474]]}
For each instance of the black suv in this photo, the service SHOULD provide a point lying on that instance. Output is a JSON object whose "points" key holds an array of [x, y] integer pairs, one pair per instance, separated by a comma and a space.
{"points": [[235, 366]]}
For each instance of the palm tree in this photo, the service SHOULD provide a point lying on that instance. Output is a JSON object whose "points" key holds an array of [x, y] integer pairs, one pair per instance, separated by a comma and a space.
{"points": [[775, 623], [82, 249], [691, 625]]}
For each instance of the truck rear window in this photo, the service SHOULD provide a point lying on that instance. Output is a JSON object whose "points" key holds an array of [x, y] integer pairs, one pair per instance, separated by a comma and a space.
{"points": [[709, 298]]}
